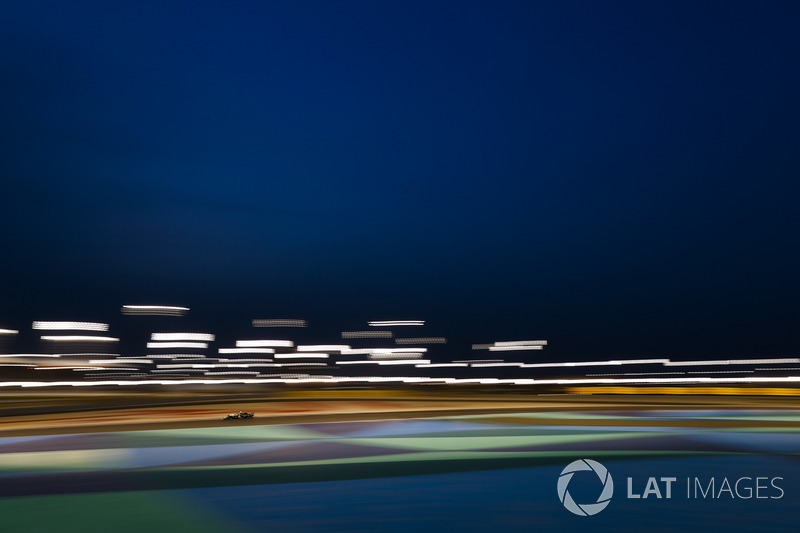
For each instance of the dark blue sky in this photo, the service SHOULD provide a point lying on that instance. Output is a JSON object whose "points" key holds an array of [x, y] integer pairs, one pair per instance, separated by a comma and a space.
{"points": [[618, 177]]}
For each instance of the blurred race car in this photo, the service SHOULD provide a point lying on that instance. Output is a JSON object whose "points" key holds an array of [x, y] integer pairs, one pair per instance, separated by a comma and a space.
{"points": [[239, 416]]}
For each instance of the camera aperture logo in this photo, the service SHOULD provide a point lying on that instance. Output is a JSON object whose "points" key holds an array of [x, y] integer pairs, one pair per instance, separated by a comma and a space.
{"points": [[659, 488], [585, 509]]}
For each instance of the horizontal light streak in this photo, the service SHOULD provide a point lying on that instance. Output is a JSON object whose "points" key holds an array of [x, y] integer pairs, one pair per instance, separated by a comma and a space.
{"points": [[449, 381], [299, 364], [246, 350], [442, 365], [78, 367], [395, 355], [306, 355], [90, 354], [640, 374], [366, 334], [9, 332], [234, 365], [231, 373], [487, 365], [78, 338], [389, 323], [155, 310], [204, 337], [508, 345], [85, 368], [514, 348], [84, 326], [5, 355], [722, 372], [386, 362], [597, 363], [162, 345], [367, 351], [219, 365], [521, 343], [420, 340], [264, 343], [279, 323], [323, 347], [176, 356], [111, 361], [733, 362], [240, 361]]}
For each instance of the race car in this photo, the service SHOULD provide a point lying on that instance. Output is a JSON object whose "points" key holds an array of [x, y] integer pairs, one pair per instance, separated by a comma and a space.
{"points": [[239, 416]]}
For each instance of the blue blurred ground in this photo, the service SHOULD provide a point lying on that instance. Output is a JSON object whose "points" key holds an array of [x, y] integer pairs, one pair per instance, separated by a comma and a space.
{"points": [[471, 473]]}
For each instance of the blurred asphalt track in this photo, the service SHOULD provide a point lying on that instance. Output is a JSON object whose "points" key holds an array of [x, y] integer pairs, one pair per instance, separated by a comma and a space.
{"points": [[357, 462]]}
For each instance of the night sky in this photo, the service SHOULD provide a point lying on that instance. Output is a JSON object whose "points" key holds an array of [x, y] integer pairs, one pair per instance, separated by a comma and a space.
{"points": [[620, 178]]}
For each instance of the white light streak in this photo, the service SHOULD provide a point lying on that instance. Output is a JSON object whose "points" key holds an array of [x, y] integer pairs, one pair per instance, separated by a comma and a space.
{"points": [[177, 345], [442, 365], [364, 351], [154, 310], [509, 345], [78, 338], [264, 343], [597, 363], [521, 343], [486, 365], [78, 367], [307, 355], [386, 362], [8, 332], [513, 348], [722, 372], [246, 350], [641, 374], [366, 334], [85, 326], [390, 323], [86, 368], [239, 373], [449, 381], [420, 340], [205, 337], [175, 356], [279, 323], [323, 347], [239, 361], [218, 365], [90, 354], [733, 362], [5, 355], [125, 360], [395, 355]]}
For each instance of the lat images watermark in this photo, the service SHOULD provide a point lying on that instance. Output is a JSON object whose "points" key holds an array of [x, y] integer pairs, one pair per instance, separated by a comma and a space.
{"points": [[665, 487]]}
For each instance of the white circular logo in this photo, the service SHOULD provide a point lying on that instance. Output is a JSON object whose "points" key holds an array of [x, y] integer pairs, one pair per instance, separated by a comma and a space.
{"points": [[585, 509]]}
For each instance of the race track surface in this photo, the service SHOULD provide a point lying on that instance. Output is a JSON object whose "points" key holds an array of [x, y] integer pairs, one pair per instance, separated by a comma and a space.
{"points": [[375, 467]]}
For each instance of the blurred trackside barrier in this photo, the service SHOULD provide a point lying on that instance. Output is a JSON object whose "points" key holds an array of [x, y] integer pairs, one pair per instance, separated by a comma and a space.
{"points": [[728, 391]]}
